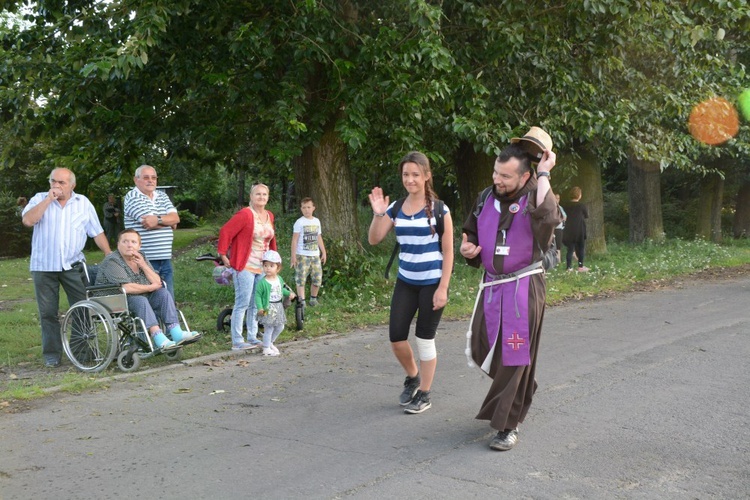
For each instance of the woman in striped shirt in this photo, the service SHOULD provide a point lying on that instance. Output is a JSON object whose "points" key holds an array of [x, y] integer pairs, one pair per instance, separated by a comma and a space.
{"points": [[424, 273]]}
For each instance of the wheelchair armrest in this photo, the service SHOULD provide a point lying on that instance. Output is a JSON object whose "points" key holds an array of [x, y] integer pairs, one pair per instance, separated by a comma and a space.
{"points": [[108, 286]]}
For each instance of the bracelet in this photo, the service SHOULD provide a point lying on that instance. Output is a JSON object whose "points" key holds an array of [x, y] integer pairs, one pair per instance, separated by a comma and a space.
{"points": [[543, 174], [377, 214]]}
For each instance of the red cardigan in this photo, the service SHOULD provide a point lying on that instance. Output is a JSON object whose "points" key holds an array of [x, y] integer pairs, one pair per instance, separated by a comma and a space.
{"points": [[237, 235]]}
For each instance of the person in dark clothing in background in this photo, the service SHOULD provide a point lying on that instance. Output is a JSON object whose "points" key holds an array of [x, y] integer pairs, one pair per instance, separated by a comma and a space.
{"points": [[574, 234]]}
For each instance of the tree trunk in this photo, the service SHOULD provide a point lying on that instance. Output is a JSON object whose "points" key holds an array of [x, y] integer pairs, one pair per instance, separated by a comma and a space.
{"points": [[709, 208], [241, 188], [644, 197], [322, 172], [473, 173], [741, 222], [589, 179]]}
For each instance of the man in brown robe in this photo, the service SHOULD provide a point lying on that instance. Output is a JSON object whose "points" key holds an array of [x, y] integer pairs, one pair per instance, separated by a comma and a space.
{"points": [[509, 233]]}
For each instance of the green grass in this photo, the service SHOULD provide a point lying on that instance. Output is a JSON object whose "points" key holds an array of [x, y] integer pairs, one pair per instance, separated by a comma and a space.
{"points": [[40, 385], [366, 303], [15, 280], [625, 264]]}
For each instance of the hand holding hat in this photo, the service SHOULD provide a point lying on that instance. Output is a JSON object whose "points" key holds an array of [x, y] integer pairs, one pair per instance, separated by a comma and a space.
{"points": [[535, 143], [547, 162]]}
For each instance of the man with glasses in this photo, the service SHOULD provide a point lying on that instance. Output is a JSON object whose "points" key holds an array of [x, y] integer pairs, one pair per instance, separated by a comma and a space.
{"points": [[154, 217], [62, 220]]}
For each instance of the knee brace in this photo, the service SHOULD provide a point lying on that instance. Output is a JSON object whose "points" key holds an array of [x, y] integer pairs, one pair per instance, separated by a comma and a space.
{"points": [[426, 349]]}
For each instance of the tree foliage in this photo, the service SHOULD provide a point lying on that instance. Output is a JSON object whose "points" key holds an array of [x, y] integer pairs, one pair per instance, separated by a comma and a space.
{"points": [[261, 87]]}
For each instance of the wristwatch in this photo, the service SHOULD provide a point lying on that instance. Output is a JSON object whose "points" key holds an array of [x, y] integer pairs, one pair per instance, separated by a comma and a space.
{"points": [[158, 219]]}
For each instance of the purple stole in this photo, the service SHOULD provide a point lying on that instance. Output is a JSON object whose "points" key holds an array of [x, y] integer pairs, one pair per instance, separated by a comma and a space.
{"points": [[507, 302]]}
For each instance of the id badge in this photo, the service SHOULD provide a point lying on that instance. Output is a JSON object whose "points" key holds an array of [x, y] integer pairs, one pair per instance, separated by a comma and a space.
{"points": [[502, 250]]}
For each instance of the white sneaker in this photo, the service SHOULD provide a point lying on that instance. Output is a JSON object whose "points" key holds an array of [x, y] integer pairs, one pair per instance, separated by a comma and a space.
{"points": [[267, 351], [274, 349]]}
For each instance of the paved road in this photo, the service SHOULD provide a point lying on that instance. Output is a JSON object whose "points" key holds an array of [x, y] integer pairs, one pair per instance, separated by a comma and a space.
{"points": [[641, 396]]}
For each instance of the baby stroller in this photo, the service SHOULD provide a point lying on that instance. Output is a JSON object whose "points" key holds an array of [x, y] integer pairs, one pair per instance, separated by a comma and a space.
{"points": [[223, 276]]}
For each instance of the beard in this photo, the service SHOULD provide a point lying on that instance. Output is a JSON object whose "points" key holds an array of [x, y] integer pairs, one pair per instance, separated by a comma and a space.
{"points": [[506, 191]]}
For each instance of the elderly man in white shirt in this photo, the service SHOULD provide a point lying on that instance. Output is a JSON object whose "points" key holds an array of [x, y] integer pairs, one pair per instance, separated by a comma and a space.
{"points": [[62, 220]]}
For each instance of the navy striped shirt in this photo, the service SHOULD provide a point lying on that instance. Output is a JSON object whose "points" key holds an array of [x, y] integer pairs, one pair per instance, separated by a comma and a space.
{"points": [[420, 260], [156, 244]]}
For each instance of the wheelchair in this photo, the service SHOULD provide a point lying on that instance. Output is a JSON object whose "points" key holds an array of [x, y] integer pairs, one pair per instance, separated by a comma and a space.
{"points": [[100, 328]]}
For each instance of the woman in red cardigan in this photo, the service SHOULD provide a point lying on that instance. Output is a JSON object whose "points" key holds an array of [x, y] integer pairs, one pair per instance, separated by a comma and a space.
{"points": [[242, 242]]}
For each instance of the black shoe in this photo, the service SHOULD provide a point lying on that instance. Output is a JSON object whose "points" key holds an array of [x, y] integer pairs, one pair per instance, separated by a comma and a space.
{"points": [[420, 403], [52, 363], [505, 440], [411, 384]]}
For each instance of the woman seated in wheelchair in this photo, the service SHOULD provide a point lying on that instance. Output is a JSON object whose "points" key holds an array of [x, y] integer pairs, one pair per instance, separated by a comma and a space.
{"points": [[148, 299]]}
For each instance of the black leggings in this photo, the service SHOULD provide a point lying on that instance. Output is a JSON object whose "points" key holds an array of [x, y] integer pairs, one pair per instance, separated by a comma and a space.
{"points": [[406, 301], [580, 249]]}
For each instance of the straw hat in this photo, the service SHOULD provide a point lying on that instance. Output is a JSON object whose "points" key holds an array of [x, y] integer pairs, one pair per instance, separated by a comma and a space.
{"points": [[534, 142]]}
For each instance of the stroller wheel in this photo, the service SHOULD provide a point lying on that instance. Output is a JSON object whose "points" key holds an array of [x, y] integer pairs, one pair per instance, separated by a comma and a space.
{"points": [[224, 322], [299, 315]]}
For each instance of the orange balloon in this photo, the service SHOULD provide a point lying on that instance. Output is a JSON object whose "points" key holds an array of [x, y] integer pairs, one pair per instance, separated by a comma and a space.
{"points": [[714, 121]]}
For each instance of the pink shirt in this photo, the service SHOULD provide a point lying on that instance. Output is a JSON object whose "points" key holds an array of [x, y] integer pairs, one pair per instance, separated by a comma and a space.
{"points": [[262, 236]]}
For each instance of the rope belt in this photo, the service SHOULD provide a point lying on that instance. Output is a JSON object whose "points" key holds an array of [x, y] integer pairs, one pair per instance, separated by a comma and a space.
{"points": [[499, 279], [535, 268]]}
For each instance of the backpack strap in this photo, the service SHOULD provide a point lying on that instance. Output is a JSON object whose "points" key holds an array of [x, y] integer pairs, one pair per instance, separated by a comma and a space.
{"points": [[396, 208], [439, 222], [482, 199]]}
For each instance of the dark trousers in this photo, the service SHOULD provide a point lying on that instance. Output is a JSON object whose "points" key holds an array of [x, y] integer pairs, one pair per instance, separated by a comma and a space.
{"points": [[111, 229], [47, 291], [580, 249]]}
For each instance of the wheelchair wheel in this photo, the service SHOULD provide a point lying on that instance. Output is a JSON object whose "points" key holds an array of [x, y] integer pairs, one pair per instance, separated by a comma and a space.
{"points": [[128, 361], [299, 315], [89, 336], [224, 323], [174, 355]]}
